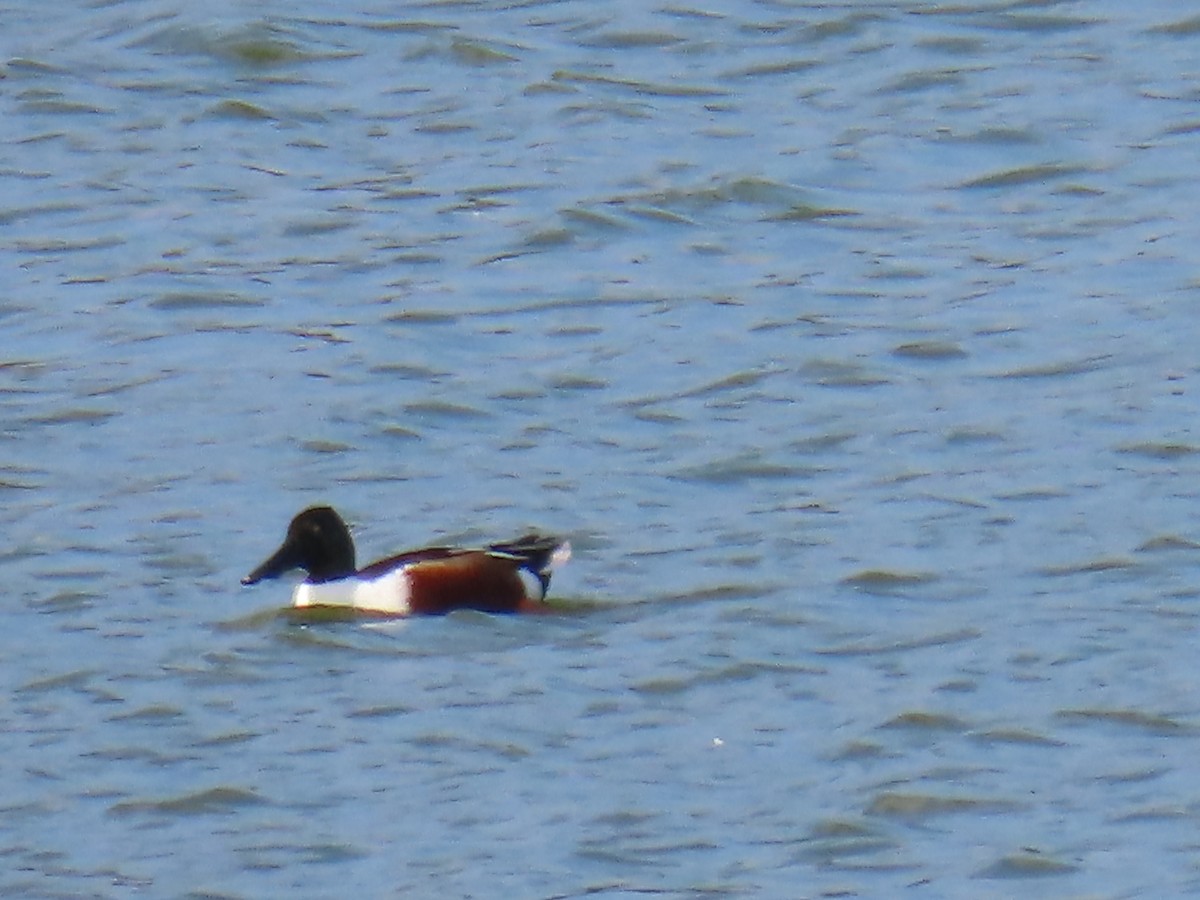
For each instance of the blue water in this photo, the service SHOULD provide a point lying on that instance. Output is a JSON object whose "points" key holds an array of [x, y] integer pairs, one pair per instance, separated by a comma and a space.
{"points": [[851, 346]]}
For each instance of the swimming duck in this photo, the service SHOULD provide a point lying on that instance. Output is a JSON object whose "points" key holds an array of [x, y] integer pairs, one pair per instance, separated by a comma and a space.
{"points": [[501, 578]]}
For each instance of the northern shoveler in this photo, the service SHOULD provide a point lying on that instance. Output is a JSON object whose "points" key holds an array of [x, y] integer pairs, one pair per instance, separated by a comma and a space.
{"points": [[502, 578]]}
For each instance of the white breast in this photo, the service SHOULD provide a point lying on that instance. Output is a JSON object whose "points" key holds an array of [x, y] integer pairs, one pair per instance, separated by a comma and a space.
{"points": [[388, 593]]}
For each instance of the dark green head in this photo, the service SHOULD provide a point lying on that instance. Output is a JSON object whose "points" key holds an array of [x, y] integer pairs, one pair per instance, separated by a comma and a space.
{"points": [[318, 542]]}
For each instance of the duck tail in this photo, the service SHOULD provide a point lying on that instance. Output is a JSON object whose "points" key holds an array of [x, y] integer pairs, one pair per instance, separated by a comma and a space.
{"points": [[540, 554]]}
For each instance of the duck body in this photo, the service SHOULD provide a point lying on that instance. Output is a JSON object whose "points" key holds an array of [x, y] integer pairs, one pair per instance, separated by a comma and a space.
{"points": [[501, 578]]}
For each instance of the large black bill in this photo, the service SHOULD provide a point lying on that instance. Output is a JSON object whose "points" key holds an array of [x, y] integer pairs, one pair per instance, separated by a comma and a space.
{"points": [[282, 560]]}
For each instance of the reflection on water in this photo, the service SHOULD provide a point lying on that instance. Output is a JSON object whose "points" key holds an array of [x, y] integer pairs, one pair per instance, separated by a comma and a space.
{"points": [[851, 347]]}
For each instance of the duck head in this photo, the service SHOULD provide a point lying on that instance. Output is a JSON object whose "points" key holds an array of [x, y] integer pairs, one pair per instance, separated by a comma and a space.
{"points": [[318, 542]]}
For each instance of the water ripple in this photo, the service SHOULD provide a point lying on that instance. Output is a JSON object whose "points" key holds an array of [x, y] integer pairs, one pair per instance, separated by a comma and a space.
{"points": [[857, 365]]}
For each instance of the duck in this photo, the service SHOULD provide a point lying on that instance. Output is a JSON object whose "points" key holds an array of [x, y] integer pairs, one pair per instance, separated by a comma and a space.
{"points": [[509, 577]]}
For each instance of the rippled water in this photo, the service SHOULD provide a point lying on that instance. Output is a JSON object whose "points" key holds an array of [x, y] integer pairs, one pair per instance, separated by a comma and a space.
{"points": [[851, 344]]}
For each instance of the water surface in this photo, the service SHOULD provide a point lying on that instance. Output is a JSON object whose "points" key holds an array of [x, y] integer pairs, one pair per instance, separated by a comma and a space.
{"points": [[850, 344]]}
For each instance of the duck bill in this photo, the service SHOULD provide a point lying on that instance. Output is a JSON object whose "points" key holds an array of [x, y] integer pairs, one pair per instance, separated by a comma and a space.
{"points": [[282, 560]]}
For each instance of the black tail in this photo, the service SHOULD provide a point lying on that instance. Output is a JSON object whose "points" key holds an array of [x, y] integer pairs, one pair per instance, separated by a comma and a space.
{"points": [[541, 554]]}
